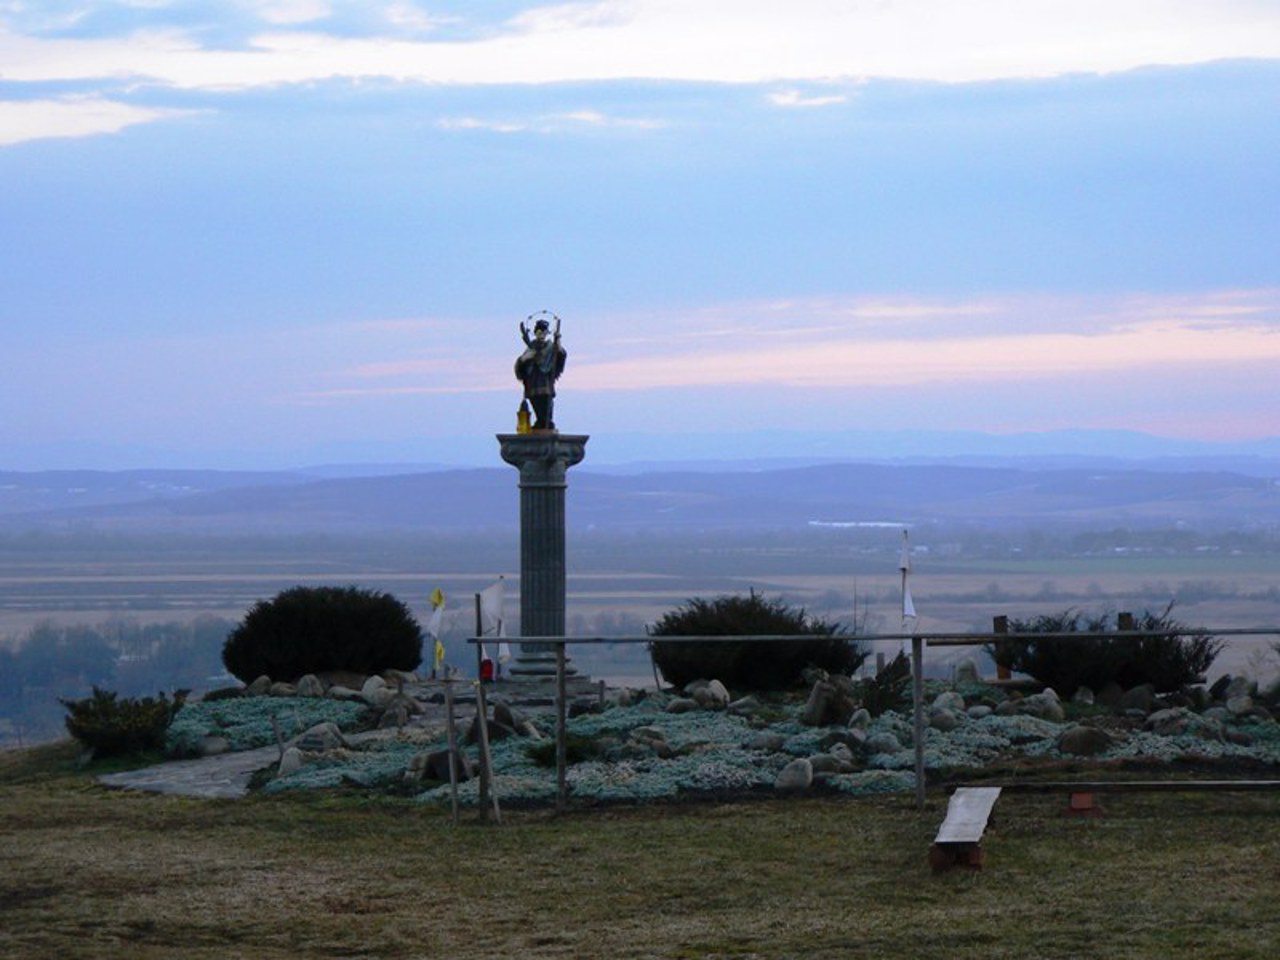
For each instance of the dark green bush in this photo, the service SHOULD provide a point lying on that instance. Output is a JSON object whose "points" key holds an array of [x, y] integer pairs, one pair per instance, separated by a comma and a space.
{"points": [[316, 629], [112, 727], [749, 665], [1155, 651]]}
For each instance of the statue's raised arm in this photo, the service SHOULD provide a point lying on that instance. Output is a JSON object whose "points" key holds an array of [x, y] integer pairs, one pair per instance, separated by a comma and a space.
{"points": [[540, 365]]}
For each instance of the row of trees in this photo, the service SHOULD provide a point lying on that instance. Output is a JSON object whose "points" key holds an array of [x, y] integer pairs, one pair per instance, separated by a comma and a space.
{"points": [[54, 662], [318, 629]]}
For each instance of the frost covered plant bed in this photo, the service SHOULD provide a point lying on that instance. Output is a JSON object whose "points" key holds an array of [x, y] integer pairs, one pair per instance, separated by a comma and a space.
{"points": [[245, 722], [642, 753]]}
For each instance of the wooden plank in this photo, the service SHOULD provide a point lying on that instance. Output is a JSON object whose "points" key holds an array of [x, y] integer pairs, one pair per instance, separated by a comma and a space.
{"points": [[967, 815]]}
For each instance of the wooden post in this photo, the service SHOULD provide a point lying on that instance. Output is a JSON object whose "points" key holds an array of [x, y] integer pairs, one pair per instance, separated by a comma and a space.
{"points": [[1000, 625], [453, 747], [562, 732], [487, 793], [917, 696]]}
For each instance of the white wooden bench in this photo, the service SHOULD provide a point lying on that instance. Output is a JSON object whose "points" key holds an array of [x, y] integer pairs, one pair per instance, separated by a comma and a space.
{"points": [[959, 839]]}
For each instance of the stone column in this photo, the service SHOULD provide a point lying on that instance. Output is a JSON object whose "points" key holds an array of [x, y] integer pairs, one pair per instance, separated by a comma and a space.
{"points": [[543, 459]]}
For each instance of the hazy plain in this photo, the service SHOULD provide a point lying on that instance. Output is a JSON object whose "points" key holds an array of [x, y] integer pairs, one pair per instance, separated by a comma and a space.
{"points": [[618, 584]]}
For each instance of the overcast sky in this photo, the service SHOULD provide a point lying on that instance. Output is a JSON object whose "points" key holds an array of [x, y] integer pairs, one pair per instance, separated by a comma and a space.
{"points": [[274, 232]]}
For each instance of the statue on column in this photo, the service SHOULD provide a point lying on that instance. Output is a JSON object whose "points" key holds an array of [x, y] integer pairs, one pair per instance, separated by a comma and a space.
{"points": [[539, 367]]}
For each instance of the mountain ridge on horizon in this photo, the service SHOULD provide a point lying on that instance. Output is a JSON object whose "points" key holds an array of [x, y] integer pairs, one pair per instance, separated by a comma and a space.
{"points": [[484, 498], [652, 450]]}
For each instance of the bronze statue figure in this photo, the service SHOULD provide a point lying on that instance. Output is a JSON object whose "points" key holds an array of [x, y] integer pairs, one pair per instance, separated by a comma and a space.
{"points": [[540, 366]]}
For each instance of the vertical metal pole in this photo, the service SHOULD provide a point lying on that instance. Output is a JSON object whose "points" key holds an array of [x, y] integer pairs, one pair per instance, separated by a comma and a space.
{"points": [[917, 696], [562, 732]]}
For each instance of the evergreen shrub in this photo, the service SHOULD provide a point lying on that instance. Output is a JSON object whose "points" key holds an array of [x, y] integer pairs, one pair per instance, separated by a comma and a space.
{"points": [[113, 727], [749, 665], [1156, 651], [317, 629]]}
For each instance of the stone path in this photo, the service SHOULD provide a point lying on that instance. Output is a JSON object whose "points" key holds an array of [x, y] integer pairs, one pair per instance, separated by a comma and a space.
{"points": [[225, 776]]}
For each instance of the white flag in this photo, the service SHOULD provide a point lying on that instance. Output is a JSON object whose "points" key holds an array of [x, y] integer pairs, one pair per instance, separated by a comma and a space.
{"points": [[908, 604], [504, 648], [433, 629], [492, 599]]}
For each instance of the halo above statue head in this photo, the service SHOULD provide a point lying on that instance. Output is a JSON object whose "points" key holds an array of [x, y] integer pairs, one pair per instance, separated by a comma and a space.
{"points": [[542, 320]]}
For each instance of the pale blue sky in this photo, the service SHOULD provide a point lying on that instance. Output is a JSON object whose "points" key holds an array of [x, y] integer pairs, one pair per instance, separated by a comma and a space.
{"points": [[247, 233]]}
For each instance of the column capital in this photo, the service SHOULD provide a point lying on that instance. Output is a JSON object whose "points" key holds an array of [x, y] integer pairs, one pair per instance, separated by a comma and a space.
{"points": [[542, 458]]}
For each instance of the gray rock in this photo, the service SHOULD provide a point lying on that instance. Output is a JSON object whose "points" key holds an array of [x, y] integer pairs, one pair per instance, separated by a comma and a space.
{"points": [[883, 742], [861, 719], [291, 762], [435, 766], [212, 746], [1170, 723], [310, 686], [766, 741], [978, 711], [1141, 697], [949, 700], [850, 737], [376, 693], [795, 777], [402, 701], [1220, 714], [943, 720], [282, 690], [747, 706], [394, 717], [1238, 687], [682, 705], [259, 687], [829, 703], [842, 754], [1083, 695], [967, 671], [718, 695], [1043, 706], [338, 692], [321, 738], [508, 715], [1239, 704], [1080, 741], [823, 763]]}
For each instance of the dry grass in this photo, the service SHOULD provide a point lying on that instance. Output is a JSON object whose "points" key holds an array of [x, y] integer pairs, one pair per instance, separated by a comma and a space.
{"points": [[85, 872]]}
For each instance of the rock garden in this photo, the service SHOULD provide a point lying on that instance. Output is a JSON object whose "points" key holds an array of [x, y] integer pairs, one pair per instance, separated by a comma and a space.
{"points": [[388, 734]]}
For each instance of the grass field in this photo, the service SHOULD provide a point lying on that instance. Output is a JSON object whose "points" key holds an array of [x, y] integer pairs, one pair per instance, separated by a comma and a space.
{"points": [[89, 873]]}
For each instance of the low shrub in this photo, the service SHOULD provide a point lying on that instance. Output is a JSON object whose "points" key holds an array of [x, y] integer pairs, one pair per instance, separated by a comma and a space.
{"points": [[113, 727], [1155, 651], [749, 665], [888, 689], [317, 629]]}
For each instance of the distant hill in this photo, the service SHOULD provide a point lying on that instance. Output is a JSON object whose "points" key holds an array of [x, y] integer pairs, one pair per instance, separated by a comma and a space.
{"points": [[229, 502]]}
